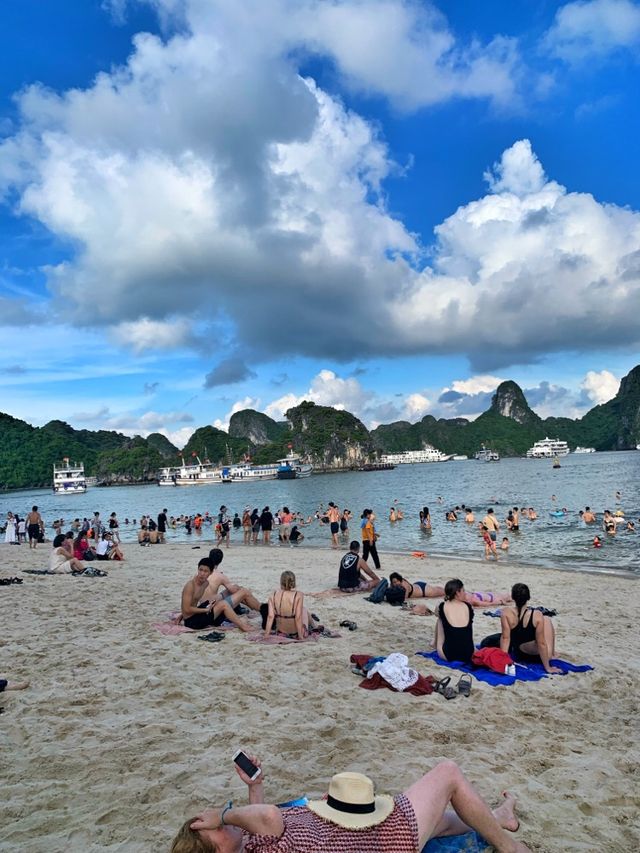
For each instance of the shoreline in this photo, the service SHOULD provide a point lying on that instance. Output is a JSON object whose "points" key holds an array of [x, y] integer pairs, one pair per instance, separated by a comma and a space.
{"points": [[125, 732]]}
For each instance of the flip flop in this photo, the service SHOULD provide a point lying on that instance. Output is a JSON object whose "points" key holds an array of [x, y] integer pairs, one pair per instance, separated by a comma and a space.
{"points": [[213, 637], [442, 685], [350, 625], [464, 685]]}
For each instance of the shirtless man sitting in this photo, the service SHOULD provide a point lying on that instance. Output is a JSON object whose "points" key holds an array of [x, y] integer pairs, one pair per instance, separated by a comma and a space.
{"points": [[419, 589], [198, 612], [354, 574]]}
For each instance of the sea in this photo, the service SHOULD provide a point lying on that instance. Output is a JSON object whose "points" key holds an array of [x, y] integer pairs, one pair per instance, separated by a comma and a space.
{"points": [[599, 480]]}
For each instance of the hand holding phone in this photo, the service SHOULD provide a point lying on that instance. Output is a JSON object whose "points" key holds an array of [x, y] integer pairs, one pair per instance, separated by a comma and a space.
{"points": [[248, 767]]}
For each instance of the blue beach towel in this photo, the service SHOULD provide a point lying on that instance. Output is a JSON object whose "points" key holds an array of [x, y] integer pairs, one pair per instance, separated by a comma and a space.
{"points": [[524, 672], [470, 842]]}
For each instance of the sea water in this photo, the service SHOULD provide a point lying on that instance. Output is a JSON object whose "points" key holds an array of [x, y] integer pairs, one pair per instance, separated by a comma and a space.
{"points": [[565, 542]]}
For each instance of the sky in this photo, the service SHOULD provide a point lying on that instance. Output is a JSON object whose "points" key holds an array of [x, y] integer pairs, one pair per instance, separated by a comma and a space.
{"points": [[388, 206]]}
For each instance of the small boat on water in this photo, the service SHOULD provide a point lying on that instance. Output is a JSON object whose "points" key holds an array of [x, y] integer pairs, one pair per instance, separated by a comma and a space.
{"points": [[556, 463], [197, 474], [68, 478], [584, 449], [486, 455], [293, 468]]}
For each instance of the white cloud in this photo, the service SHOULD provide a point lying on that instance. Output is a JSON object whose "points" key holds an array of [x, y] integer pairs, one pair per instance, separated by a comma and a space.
{"points": [[600, 386], [238, 406], [205, 179], [415, 407], [145, 334], [582, 31], [476, 384], [326, 389]]}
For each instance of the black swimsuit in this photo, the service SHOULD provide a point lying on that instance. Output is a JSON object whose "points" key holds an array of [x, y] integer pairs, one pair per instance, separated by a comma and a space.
{"points": [[458, 642], [522, 634]]}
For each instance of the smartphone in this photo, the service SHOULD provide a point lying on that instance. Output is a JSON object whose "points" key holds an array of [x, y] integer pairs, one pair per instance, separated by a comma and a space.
{"points": [[246, 765]]}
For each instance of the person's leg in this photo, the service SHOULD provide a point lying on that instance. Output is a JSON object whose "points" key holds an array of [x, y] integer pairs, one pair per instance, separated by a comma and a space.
{"points": [[5, 684], [433, 591], [374, 553], [245, 596], [223, 608], [366, 547], [446, 784], [505, 814], [76, 565]]}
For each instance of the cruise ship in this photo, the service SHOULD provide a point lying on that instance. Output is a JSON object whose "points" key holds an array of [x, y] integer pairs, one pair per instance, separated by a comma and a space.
{"points": [[68, 478], [547, 448], [411, 457]]}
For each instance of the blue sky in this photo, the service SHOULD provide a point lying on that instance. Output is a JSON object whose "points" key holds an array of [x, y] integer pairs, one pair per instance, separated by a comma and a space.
{"points": [[389, 206]]}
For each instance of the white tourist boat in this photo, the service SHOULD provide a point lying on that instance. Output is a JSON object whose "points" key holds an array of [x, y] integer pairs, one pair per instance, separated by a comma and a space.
{"points": [[547, 448], [197, 474], [245, 472], [293, 468], [584, 449], [413, 457], [486, 455], [68, 478]]}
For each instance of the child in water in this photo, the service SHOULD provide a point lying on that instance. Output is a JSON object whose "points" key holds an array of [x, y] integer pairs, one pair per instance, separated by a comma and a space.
{"points": [[489, 544], [597, 542], [504, 546]]}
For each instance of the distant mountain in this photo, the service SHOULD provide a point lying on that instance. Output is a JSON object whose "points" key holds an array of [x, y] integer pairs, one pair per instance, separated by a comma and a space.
{"points": [[328, 437], [256, 427], [162, 444]]}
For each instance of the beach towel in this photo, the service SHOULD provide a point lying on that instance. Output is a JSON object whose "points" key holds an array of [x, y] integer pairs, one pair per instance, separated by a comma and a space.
{"points": [[170, 628], [524, 672], [279, 639], [422, 687]]}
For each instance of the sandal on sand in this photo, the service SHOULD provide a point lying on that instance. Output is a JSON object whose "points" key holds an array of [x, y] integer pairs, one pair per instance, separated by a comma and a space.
{"points": [[213, 637], [350, 625], [464, 685], [443, 688]]}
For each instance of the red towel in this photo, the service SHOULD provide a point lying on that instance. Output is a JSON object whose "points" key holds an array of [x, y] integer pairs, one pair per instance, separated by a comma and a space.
{"points": [[493, 658], [423, 686]]}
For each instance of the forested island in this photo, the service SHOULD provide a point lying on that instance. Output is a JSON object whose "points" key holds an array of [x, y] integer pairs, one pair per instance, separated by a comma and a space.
{"points": [[329, 438]]}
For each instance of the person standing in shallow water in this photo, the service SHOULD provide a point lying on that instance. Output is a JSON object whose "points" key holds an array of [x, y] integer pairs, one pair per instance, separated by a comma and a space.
{"points": [[333, 514]]}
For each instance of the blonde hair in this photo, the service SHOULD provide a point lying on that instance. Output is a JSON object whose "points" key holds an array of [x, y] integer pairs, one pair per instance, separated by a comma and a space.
{"points": [[189, 841], [287, 580]]}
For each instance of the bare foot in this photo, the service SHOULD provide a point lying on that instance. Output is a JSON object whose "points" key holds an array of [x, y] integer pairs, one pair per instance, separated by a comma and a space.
{"points": [[505, 814], [17, 685]]}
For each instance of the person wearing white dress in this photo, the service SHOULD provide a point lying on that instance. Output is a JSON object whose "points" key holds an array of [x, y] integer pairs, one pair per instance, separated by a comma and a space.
{"points": [[10, 531]]}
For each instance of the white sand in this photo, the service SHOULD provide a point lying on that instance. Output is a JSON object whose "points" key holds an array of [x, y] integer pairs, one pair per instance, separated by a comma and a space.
{"points": [[125, 732]]}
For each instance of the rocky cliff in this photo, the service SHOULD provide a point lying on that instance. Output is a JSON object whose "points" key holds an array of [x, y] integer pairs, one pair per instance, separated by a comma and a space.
{"points": [[256, 427]]}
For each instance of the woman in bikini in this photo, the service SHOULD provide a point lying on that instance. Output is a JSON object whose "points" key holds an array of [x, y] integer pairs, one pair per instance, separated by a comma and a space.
{"points": [[418, 589], [527, 635], [287, 611], [421, 589]]}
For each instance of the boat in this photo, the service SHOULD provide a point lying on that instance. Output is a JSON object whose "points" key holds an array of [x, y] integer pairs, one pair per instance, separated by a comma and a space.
{"points": [[556, 462], [293, 468], [68, 478], [547, 448], [584, 449], [459, 457], [413, 457], [167, 477], [198, 474], [486, 455], [245, 472], [376, 466]]}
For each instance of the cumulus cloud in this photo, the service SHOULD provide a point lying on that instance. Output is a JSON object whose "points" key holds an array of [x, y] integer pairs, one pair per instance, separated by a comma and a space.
{"points": [[131, 423], [206, 181], [589, 29], [326, 389], [238, 406], [600, 386], [228, 372]]}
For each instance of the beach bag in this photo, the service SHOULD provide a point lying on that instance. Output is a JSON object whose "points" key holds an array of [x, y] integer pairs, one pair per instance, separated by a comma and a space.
{"points": [[395, 595], [377, 593]]}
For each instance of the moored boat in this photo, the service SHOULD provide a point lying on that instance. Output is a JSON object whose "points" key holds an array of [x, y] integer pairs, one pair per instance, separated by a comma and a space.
{"points": [[486, 455], [584, 449], [547, 448], [413, 457], [68, 478], [293, 468]]}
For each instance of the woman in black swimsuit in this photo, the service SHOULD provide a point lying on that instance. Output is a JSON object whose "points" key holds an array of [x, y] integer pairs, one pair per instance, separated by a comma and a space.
{"points": [[454, 629], [527, 635], [287, 611]]}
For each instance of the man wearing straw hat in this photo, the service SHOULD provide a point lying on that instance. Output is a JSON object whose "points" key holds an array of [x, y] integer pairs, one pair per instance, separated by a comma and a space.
{"points": [[352, 818]]}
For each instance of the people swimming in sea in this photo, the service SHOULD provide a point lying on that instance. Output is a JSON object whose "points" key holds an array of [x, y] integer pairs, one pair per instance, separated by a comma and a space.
{"points": [[425, 518], [504, 545], [597, 542]]}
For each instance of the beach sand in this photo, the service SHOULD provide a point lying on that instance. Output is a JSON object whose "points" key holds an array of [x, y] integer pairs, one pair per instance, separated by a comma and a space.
{"points": [[125, 732]]}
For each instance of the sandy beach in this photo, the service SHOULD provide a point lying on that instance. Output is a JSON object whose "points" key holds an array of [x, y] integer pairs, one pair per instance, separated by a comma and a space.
{"points": [[124, 732]]}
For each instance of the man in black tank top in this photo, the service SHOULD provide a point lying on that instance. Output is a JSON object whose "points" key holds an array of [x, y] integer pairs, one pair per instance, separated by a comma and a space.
{"points": [[355, 574]]}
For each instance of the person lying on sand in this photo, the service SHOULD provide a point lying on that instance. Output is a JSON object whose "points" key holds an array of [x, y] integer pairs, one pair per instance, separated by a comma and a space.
{"points": [[354, 574], [201, 613], [417, 589], [442, 803]]}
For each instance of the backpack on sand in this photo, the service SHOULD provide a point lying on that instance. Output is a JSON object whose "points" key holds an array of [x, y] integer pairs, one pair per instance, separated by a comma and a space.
{"points": [[377, 593], [395, 595]]}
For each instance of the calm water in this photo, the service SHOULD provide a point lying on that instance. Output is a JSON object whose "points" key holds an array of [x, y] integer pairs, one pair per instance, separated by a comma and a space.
{"points": [[582, 480]]}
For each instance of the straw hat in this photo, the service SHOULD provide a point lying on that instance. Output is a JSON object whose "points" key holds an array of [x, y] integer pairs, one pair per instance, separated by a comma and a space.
{"points": [[352, 802]]}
